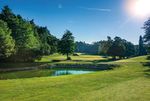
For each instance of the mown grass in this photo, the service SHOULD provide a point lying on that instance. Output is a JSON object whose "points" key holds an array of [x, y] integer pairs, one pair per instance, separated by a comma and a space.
{"points": [[130, 82], [81, 59], [136, 59]]}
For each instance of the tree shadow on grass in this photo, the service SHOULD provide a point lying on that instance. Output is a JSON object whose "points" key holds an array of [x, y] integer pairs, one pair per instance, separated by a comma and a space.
{"points": [[108, 66], [148, 57], [93, 61], [106, 60], [147, 71]]}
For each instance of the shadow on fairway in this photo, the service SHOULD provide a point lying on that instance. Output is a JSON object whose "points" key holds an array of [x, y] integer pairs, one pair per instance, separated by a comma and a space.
{"points": [[99, 61], [147, 64]]}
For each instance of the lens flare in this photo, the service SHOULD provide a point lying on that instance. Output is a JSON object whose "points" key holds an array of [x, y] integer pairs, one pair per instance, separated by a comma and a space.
{"points": [[138, 8]]}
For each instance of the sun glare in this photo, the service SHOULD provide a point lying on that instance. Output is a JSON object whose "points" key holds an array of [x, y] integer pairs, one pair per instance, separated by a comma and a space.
{"points": [[138, 8]]}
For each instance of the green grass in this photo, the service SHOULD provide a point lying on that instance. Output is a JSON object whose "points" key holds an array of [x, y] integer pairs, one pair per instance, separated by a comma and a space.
{"points": [[136, 59], [130, 82], [81, 59], [63, 57], [26, 74]]}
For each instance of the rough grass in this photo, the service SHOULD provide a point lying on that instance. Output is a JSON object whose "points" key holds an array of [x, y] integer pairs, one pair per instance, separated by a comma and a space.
{"points": [[130, 82]]}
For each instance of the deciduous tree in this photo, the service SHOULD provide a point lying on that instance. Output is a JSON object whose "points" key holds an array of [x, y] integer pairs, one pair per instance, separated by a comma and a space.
{"points": [[7, 44], [67, 44]]}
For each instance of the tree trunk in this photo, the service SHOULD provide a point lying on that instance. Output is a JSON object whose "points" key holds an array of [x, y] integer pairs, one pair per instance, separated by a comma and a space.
{"points": [[67, 56]]}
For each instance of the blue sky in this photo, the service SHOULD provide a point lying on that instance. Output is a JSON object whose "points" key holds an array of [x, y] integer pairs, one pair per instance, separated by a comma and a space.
{"points": [[89, 20]]}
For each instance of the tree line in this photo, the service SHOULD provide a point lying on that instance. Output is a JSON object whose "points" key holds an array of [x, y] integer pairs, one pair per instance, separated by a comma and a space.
{"points": [[116, 47], [83, 47], [120, 48], [22, 40]]}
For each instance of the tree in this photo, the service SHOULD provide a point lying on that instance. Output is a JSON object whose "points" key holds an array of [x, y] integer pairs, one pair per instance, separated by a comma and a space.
{"points": [[147, 30], [53, 42], [23, 34], [31, 41], [26, 41], [67, 44], [7, 44], [142, 50], [147, 33], [43, 34], [129, 49], [102, 47], [105, 45], [117, 48], [49, 43], [87, 48]]}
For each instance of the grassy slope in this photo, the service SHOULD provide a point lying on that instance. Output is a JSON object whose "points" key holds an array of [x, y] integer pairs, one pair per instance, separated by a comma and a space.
{"points": [[136, 59], [130, 82]]}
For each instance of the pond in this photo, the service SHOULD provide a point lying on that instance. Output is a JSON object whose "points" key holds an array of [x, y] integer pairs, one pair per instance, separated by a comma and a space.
{"points": [[50, 71], [59, 72]]}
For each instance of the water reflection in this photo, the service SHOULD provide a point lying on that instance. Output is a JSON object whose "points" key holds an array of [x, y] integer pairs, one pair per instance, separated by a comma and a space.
{"points": [[68, 72]]}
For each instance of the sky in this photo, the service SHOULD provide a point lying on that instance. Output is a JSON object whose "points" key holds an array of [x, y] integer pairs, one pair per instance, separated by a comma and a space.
{"points": [[88, 20]]}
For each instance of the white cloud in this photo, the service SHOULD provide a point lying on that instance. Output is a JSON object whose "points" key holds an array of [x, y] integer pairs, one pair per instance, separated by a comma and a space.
{"points": [[96, 9]]}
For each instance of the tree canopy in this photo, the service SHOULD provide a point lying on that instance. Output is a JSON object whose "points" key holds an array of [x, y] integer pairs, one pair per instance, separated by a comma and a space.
{"points": [[7, 44], [87, 48], [31, 41], [117, 47], [67, 44], [147, 33]]}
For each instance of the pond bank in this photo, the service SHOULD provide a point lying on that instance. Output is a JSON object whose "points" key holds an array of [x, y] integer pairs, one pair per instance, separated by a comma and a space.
{"points": [[103, 66], [23, 68], [47, 66]]}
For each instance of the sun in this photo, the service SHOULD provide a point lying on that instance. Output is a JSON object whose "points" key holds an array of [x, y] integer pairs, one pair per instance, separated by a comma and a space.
{"points": [[138, 8]]}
